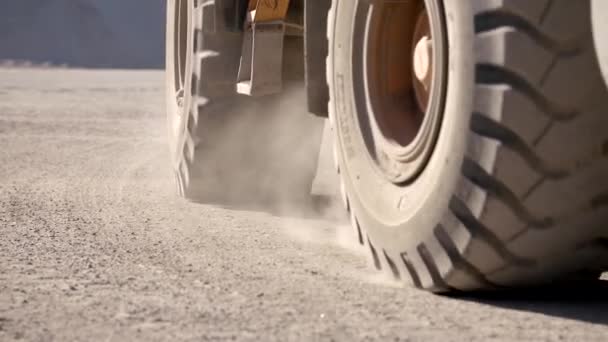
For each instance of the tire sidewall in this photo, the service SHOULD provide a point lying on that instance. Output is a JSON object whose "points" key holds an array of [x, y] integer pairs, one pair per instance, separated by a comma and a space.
{"points": [[398, 217], [176, 116]]}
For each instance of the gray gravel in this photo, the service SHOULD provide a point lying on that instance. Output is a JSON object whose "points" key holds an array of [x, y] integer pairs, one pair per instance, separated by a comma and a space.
{"points": [[95, 246]]}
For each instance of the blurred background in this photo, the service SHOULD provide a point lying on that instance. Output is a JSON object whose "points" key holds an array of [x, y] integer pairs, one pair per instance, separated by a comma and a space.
{"points": [[83, 33]]}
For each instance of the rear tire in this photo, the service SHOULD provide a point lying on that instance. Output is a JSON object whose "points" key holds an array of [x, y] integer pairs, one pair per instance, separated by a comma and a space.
{"points": [[515, 189], [228, 149]]}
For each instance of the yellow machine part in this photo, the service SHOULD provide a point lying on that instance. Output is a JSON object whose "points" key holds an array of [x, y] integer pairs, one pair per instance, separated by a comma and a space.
{"points": [[268, 10]]}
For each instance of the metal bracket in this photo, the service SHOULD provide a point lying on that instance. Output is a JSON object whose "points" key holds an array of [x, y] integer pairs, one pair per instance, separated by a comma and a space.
{"points": [[315, 54], [260, 70], [261, 65]]}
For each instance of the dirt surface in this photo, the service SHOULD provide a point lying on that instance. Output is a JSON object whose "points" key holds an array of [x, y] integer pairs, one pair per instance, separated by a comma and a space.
{"points": [[95, 246]]}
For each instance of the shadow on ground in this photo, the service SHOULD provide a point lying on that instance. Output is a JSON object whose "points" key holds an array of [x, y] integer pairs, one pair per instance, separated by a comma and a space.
{"points": [[583, 301]]}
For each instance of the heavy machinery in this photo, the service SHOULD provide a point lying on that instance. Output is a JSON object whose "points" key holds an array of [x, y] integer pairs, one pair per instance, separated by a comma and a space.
{"points": [[470, 137]]}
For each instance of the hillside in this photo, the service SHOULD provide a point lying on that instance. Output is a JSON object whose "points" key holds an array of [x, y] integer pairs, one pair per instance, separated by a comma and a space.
{"points": [[84, 33]]}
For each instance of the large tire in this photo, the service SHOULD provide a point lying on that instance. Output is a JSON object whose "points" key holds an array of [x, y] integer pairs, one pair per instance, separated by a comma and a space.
{"points": [[515, 189], [228, 149]]}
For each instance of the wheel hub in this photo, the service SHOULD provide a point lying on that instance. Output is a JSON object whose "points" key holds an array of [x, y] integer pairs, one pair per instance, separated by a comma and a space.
{"points": [[405, 83], [422, 60]]}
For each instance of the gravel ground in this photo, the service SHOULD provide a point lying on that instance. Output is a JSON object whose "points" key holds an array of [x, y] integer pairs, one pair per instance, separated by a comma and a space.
{"points": [[95, 246]]}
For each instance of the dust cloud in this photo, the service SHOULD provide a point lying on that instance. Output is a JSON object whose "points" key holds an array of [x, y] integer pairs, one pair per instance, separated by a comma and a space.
{"points": [[261, 154], [340, 235]]}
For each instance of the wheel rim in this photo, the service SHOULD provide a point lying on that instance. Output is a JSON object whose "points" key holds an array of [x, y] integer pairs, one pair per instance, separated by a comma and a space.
{"points": [[402, 77]]}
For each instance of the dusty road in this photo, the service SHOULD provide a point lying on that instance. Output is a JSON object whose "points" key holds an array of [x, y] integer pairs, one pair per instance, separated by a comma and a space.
{"points": [[95, 246]]}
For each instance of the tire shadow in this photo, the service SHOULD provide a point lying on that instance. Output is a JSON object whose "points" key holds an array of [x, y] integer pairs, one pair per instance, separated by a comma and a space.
{"points": [[582, 301]]}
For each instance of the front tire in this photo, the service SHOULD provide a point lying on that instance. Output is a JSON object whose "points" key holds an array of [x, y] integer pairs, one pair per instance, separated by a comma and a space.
{"points": [[512, 189]]}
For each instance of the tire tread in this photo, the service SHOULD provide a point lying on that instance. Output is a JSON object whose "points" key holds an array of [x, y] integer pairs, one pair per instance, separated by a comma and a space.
{"points": [[535, 21]]}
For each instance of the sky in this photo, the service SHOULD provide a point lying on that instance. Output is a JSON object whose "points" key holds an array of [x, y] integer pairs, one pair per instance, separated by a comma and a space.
{"points": [[84, 33]]}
